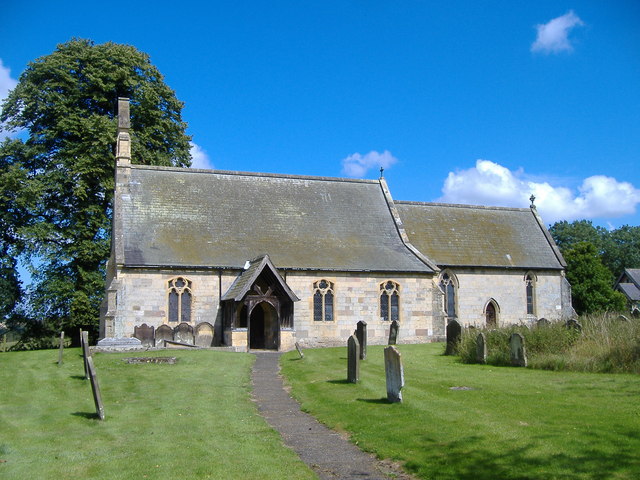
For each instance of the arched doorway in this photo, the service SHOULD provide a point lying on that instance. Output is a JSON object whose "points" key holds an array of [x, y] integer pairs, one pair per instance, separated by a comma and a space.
{"points": [[491, 314], [264, 327]]}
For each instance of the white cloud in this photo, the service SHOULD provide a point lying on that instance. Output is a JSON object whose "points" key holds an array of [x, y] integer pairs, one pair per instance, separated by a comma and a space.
{"points": [[553, 37], [199, 157], [7, 83], [489, 183], [358, 165]]}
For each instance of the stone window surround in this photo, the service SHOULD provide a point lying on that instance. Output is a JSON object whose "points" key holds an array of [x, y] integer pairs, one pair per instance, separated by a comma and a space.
{"points": [[330, 288], [389, 293], [187, 288], [530, 280], [447, 277]]}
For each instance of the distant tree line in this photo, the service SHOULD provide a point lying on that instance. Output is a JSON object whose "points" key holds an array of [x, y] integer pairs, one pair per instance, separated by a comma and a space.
{"points": [[596, 257]]}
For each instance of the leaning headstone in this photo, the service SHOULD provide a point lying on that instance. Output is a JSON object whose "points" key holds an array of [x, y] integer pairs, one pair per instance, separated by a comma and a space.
{"points": [[95, 388], [393, 332], [543, 322], [204, 334], [454, 333], [299, 350], [361, 335], [183, 333], [623, 318], [481, 348], [518, 351], [353, 360], [394, 373], [145, 334], [86, 353], [573, 324], [61, 348], [163, 332]]}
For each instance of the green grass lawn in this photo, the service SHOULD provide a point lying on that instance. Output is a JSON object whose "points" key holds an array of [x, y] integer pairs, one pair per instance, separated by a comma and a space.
{"points": [[513, 423], [191, 420]]}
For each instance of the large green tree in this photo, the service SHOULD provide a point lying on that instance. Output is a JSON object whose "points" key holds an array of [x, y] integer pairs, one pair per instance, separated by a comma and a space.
{"points": [[65, 106], [618, 249], [591, 282]]}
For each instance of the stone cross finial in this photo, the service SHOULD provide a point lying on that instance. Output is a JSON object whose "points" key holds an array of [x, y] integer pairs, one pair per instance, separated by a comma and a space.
{"points": [[123, 140], [532, 199], [381, 172]]}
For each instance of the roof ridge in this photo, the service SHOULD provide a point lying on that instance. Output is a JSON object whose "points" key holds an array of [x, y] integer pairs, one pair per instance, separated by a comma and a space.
{"points": [[462, 205], [253, 174]]}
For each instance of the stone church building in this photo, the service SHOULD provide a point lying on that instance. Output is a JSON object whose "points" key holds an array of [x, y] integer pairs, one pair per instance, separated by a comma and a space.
{"points": [[254, 260]]}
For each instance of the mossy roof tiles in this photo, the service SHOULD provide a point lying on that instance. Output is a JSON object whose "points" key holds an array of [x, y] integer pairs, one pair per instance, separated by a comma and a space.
{"points": [[192, 218], [463, 235]]}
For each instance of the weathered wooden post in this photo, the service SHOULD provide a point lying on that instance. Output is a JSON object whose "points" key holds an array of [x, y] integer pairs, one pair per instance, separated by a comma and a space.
{"points": [[394, 374], [86, 353], [481, 348], [95, 388], [61, 348], [353, 360], [361, 335]]}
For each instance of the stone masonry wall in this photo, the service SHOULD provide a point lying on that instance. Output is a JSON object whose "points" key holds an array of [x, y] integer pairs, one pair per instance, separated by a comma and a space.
{"points": [[476, 287]]}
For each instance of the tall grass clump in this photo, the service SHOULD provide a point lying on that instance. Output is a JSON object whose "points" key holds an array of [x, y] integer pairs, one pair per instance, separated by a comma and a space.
{"points": [[606, 344]]}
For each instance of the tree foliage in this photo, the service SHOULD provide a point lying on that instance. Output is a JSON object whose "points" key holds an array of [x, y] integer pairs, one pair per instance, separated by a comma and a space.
{"points": [[65, 105], [618, 249], [591, 282]]}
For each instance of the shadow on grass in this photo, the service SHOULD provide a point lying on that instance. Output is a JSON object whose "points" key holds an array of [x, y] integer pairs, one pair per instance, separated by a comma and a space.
{"points": [[381, 400], [340, 382], [466, 459], [87, 415], [78, 377]]}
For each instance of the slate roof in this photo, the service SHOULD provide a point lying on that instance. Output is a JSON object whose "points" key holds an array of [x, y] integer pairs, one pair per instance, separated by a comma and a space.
{"points": [[464, 235], [185, 217], [630, 290], [629, 283]]}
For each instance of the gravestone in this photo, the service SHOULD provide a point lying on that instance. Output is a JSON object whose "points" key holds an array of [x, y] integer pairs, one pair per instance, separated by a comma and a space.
{"points": [[623, 318], [394, 373], [163, 332], [543, 322], [119, 344], [393, 332], [145, 334], [95, 388], [361, 335], [204, 334], [518, 351], [61, 349], [86, 353], [481, 348], [299, 350], [183, 333], [454, 332], [573, 324], [353, 360]]}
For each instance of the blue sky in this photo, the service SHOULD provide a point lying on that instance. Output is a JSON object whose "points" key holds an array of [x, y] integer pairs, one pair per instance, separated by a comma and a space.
{"points": [[460, 101]]}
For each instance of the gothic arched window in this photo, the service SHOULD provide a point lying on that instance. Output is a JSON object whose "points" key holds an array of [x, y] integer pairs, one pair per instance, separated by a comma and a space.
{"points": [[179, 300], [390, 301], [448, 286], [530, 289], [323, 301]]}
